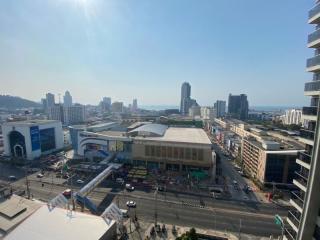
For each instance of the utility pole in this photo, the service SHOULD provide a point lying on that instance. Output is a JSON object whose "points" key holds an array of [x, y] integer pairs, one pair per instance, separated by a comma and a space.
{"points": [[27, 182], [156, 207], [240, 229]]}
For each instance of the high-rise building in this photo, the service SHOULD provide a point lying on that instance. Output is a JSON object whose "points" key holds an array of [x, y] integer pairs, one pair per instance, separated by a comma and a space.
{"points": [[220, 108], [67, 99], [74, 114], [105, 104], [186, 101], [50, 100], [117, 107], [238, 106], [293, 116], [134, 106], [303, 220], [55, 112], [44, 104]]}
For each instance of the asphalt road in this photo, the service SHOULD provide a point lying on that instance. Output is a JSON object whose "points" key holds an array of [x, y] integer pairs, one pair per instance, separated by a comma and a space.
{"points": [[180, 209]]}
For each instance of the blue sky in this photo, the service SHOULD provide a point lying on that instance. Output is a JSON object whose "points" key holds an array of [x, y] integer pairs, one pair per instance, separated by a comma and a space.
{"points": [[145, 49]]}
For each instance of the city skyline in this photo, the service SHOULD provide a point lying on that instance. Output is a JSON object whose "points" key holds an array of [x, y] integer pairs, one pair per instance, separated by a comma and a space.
{"points": [[157, 49]]}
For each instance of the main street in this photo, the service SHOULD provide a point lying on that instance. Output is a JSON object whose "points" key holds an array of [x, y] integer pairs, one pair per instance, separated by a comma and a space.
{"points": [[179, 209]]}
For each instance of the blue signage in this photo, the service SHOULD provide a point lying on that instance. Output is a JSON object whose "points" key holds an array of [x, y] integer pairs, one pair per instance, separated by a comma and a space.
{"points": [[35, 138]]}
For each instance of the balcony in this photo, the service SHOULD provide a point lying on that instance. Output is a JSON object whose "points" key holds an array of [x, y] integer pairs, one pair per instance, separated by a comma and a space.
{"points": [[311, 111], [307, 134], [314, 39], [294, 217], [290, 233], [314, 15], [297, 199], [313, 64], [304, 157], [312, 88], [301, 181]]}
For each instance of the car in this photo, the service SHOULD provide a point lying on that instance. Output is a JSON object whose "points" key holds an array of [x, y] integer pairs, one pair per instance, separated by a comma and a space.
{"points": [[129, 187], [120, 180], [245, 198], [67, 193], [124, 213], [161, 189], [66, 176], [12, 178], [39, 175], [235, 182], [79, 181], [131, 204]]}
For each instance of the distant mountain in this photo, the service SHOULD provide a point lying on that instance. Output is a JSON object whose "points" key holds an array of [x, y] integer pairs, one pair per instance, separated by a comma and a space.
{"points": [[11, 102]]}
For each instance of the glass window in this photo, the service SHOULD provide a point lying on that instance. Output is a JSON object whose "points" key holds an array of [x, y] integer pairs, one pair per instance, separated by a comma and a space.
{"points": [[200, 154], [47, 139], [194, 154], [175, 152], [147, 150], [158, 151], [188, 153], [169, 152], [181, 151], [163, 151]]}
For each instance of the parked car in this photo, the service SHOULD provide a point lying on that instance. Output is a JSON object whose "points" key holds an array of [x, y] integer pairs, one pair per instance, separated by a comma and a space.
{"points": [[161, 188], [124, 213], [131, 204], [67, 193], [129, 187], [39, 175], [12, 178], [79, 181]]}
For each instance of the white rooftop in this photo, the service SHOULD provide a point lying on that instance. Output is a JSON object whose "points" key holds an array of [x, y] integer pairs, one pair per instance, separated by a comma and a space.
{"points": [[184, 135], [59, 224]]}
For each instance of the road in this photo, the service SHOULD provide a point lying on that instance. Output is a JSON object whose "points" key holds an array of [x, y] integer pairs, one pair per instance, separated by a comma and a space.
{"points": [[180, 209]]}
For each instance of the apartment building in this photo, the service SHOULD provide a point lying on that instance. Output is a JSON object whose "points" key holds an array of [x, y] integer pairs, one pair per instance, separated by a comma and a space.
{"points": [[303, 221]]}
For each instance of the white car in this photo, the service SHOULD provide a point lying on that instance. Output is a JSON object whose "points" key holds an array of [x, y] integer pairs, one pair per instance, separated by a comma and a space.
{"points": [[40, 175], [129, 187], [79, 181], [131, 204]]}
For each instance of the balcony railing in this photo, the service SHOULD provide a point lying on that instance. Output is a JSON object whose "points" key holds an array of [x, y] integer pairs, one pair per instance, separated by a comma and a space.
{"points": [[301, 178], [314, 36], [304, 157], [312, 86], [315, 61], [290, 233], [294, 217], [297, 198], [307, 134], [314, 11], [310, 111]]}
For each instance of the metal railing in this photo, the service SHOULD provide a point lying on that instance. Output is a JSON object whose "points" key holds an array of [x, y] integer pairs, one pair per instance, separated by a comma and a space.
{"points": [[294, 217], [307, 134], [314, 61], [290, 233], [304, 157], [314, 36], [303, 180], [312, 86], [314, 11], [297, 198]]}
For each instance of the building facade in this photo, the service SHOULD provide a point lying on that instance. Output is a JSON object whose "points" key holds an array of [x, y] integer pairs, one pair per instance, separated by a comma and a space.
{"points": [[303, 221], [74, 114], [238, 106], [67, 99], [220, 108], [293, 116], [117, 107], [31, 139], [50, 100], [56, 112]]}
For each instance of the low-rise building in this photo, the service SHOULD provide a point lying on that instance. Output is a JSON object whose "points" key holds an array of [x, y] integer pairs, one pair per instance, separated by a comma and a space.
{"points": [[270, 161], [31, 139]]}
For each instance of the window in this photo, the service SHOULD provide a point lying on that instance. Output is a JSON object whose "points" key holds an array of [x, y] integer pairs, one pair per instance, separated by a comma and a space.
{"points": [[188, 153], [163, 151], [200, 154], [169, 152], [175, 152], [152, 151], [181, 155], [147, 150], [194, 154], [47, 139], [158, 151]]}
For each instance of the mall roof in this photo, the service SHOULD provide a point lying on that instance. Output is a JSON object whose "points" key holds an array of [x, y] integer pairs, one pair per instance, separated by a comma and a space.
{"points": [[60, 224], [182, 135], [150, 129]]}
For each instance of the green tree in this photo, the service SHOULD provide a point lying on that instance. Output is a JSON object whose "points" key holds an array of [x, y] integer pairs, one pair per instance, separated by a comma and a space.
{"points": [[189, 235]]}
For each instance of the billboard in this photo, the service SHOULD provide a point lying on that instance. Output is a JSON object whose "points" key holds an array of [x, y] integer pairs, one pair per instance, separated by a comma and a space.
{"points": [[112, 146], [119, 146], [35, 138]]}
